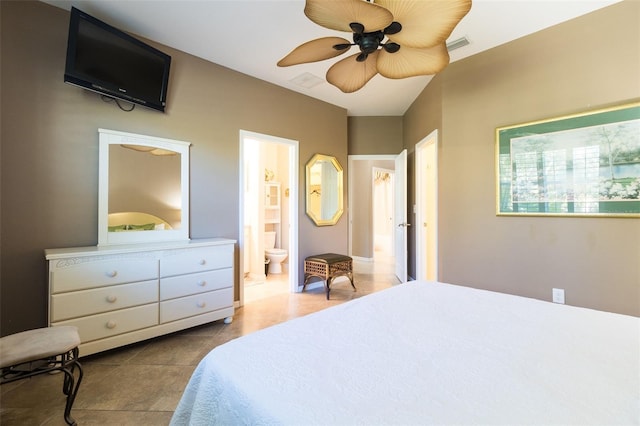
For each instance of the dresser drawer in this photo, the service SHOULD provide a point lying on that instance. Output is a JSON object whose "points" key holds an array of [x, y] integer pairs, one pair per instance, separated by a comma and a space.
{"points": [[197, 260], [112, 323], [184, 285], [189, 306], [88, 302], [100, 273]]}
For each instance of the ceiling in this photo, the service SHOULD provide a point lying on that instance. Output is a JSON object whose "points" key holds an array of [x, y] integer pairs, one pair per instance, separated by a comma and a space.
{"points": [[250, 36]]}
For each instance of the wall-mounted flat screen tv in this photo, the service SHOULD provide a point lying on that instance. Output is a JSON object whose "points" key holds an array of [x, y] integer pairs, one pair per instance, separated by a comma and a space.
{"points": [[109, 61]]}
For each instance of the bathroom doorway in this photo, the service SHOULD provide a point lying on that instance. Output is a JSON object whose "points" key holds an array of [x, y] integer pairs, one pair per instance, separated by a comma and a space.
{"points": [[268, 242]]}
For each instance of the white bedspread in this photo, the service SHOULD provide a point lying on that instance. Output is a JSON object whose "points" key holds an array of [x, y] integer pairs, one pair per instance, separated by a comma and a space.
{"points": [[426, 353]]}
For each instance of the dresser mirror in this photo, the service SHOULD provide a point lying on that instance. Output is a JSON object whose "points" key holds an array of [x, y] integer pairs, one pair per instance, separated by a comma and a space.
{"points": [[324, 188], [143, 194]]}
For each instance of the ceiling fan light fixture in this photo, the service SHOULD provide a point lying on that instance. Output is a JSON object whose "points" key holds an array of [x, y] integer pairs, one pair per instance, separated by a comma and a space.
{"points": [[356, 27], [342, 46], [391, 47], [393, 28]]}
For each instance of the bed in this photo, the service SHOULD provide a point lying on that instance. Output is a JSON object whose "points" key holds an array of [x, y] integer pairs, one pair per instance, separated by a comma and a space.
{"points": [[136, 221], [425, 353]]}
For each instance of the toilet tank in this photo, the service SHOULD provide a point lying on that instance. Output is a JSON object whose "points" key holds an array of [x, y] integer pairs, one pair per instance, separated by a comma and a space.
{"points": [[269, 239]]}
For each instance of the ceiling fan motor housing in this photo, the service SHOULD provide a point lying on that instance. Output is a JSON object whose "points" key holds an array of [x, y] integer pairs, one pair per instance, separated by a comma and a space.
{"points": [[368, 42]]}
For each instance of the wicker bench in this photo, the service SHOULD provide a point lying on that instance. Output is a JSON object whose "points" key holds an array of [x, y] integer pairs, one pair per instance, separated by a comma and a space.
{"points": [[41, 351], [328, 266]]}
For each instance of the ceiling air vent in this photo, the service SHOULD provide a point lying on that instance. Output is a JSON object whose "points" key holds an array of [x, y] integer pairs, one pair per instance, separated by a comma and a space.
{"points": [[307, 80], [457, 44]]}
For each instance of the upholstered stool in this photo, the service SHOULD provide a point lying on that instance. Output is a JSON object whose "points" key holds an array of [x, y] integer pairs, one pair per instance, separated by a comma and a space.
{"points": [[328, 266], [40, 351]]}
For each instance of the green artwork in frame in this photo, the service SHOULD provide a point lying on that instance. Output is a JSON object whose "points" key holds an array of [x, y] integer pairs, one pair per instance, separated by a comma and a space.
{"points": [[579, 165]]}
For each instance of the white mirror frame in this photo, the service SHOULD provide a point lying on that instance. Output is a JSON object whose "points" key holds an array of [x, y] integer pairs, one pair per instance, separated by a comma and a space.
{"points": [[111, 137]]}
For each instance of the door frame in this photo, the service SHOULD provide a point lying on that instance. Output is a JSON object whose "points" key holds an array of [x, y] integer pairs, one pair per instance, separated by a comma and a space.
{"points": [[426, 152], [401, 218], [294, 170], [351, 159]]}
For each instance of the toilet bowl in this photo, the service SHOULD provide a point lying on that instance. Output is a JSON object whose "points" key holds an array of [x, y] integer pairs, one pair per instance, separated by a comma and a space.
{"points": [[275, 255]]}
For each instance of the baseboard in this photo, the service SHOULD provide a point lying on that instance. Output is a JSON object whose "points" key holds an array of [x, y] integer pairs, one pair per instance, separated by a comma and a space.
{"points": [[312, 285], [362, 259]]}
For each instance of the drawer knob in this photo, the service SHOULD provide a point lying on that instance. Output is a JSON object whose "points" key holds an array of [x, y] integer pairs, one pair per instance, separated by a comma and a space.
{"points": [[201, 304], [203, 261], [111, 299], [202, 283], [112, 274], [111, 324]]}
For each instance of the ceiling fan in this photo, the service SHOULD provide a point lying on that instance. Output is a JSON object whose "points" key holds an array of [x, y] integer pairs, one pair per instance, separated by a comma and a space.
{"points": [[396, 38]]}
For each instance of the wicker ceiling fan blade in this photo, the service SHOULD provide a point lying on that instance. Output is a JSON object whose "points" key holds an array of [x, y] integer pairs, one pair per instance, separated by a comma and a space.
{"points": [[314, 51], [350, 75], [338, 15], [425, 23], [411, 61]]}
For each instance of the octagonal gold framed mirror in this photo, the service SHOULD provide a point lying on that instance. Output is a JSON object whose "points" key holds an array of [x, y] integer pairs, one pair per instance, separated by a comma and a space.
{"points": [[324, 190]]}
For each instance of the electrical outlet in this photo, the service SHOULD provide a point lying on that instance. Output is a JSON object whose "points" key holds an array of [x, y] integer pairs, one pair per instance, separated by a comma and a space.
{"points": [[558, 295]]}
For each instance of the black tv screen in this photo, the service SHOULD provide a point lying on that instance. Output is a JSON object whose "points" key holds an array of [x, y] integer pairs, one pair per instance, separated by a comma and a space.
{"points": [[108, 61]]}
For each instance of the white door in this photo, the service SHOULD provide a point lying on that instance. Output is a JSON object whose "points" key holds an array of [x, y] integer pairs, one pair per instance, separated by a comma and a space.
{"points": [[400, 216], [426, 173]]}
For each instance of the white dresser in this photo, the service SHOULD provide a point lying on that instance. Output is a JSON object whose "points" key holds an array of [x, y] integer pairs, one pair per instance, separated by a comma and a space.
{"points": [[118, 295]]}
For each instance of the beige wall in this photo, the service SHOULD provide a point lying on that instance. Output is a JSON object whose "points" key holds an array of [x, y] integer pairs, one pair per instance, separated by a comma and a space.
{"points": [[584, 64], [49, 150], [375, 135]]}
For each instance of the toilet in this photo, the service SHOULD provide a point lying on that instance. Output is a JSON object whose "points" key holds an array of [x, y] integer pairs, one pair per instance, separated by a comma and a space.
{"points": [[275, 255]]}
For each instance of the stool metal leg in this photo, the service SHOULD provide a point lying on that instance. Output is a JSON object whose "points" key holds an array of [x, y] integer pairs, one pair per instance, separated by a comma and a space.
{"points": [[333, 277], [350, 275], [307, 277]]}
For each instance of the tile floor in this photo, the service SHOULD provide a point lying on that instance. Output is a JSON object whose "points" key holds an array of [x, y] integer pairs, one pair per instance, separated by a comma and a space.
{"points": [[141, 384]]}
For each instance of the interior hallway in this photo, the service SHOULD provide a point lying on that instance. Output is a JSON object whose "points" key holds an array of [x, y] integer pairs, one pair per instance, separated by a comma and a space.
{"points": [[141, 384]]}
